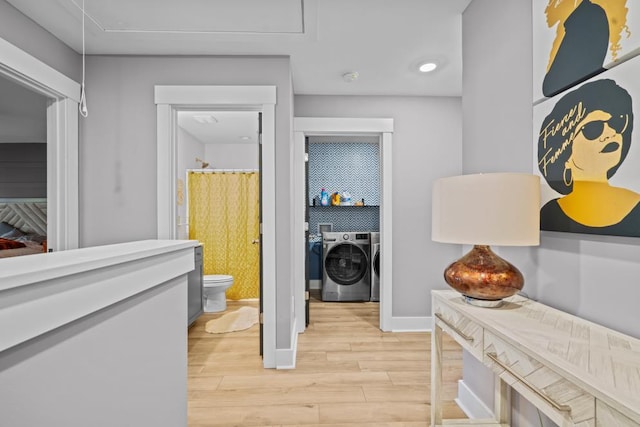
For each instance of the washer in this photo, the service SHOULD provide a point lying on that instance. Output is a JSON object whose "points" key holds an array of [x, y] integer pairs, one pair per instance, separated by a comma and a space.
{"points": [[345, 266], [374, 239]]}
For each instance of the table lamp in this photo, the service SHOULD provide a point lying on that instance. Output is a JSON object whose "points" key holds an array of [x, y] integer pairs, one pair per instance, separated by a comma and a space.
{"points": [[481, 210]]}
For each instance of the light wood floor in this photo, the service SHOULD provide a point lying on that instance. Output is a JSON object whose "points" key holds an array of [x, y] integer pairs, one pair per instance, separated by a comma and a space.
{"points": [[348, 373]]}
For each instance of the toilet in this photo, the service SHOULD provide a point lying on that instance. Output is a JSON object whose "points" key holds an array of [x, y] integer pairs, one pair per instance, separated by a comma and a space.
{"points": [[213, 292]]}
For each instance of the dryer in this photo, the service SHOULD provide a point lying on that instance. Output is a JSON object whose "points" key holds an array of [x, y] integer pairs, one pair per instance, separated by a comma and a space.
{"points": [[345, 266], [374, 239]]}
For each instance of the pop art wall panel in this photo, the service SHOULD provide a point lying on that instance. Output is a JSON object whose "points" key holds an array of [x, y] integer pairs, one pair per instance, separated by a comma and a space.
{"points": [[587, 154], [574, 40]]}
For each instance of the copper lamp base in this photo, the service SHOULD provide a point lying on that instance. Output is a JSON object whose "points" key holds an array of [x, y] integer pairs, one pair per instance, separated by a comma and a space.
{"points": [[483, 277]]}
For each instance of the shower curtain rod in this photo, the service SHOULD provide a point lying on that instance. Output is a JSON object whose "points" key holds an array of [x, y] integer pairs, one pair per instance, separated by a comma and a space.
{"points": [[224, 170]]}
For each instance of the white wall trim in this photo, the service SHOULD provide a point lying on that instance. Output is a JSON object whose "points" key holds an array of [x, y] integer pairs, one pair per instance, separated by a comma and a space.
{"points": [[166, 119], [171, 99], [342, 125], [37, 75], [298, 235], [383, 127], [411, 324], [471, 404], [268, 204], [286, 357], [386, 233], [62, 180], [62, 140], [224, 95]]}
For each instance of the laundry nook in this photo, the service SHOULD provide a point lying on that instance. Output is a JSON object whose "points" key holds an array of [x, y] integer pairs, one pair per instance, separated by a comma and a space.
{"points": [[343, 227]]}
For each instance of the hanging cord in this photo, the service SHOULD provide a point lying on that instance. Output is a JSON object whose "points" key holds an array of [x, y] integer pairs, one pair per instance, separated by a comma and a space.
{"points": [[82, 107]]}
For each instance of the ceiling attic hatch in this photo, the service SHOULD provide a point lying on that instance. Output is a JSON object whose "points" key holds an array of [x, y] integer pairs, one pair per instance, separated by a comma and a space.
{"points": [[221, 16]]}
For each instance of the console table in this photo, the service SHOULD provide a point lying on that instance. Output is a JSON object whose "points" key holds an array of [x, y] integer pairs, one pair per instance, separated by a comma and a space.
{"points": [[576, 372]]}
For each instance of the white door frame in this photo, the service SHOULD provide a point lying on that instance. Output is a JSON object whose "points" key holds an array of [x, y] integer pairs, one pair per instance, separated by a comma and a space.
{"points": [[311, 126], [62, 139], [169, 100]]}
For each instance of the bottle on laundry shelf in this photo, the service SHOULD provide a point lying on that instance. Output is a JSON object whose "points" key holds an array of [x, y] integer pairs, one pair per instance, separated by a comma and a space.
{"points": [[324, 198], [346, 198], [335, 199]]}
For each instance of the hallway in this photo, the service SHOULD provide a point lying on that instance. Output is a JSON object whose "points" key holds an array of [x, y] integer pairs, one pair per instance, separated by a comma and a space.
{"points": [[348, 374]]}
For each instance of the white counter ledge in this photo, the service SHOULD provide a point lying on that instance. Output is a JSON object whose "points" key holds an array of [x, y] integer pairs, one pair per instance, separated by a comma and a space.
{"points": [[18, 271], [88, 329]]}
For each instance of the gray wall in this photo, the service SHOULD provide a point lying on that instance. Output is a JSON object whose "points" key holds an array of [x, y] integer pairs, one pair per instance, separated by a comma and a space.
{"points": [[426, 145], [118, 139], [118, 149], [22, 32], [23, 113], [23, 137], [23, 170], [189, 149], [232, 155], [120, 380], [591, 277]]}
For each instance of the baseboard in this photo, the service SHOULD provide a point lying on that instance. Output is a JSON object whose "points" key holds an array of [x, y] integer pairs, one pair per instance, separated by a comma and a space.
{"points": [[471, 404], [286, 357], [411, 324], [315, 284]]}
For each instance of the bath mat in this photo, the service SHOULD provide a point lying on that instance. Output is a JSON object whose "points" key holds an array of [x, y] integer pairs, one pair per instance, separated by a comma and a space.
{"points": [[238, 320]]}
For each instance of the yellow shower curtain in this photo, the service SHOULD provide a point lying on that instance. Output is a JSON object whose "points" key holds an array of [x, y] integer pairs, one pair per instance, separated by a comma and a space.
{"points": [[224, 217]]}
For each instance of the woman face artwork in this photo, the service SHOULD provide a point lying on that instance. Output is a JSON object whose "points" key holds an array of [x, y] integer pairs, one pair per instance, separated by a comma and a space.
{"points": [[597, 147], [586, 136]]}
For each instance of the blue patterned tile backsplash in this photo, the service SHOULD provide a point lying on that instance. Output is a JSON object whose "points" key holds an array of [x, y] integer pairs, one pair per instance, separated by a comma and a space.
{"points": [[345, 166], [353, 167]]}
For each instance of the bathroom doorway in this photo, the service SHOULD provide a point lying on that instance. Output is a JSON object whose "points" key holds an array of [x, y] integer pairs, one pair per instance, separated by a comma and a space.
{"points": [[172, 99], [218, 197], [219, 193]]}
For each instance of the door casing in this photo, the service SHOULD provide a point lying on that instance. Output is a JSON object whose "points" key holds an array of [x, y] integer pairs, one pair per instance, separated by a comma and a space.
{"points": [[62, 140], [314, 126], [169, 100]]}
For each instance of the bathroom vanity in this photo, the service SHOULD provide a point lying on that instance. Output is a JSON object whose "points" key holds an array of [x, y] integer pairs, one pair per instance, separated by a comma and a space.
{"points": [[194, 291], [95, 336]]}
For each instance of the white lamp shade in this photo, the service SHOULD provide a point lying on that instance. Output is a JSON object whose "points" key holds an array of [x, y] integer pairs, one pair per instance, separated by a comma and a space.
{"points": [[487, 209]]}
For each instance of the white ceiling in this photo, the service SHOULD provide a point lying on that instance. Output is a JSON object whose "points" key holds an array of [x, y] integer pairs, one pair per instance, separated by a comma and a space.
{"points": [[383, 40], [224, 127]]}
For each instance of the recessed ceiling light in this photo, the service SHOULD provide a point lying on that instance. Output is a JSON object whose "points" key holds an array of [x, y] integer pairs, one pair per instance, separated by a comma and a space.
{"points": [[427, 67], [245, 138], [205, 118], [351, 76]]}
